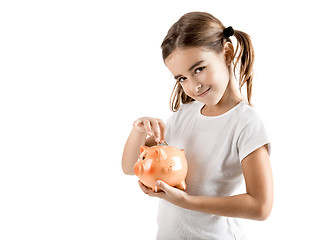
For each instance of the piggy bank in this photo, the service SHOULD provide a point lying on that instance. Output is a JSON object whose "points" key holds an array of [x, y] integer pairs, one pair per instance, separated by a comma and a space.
{"points": [[165, 163]]}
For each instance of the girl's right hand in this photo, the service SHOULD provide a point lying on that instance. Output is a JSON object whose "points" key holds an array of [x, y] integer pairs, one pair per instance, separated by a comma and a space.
{"points": [[152, 127]]}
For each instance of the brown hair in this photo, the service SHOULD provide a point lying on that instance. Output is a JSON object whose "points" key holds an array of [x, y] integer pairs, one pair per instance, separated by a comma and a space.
{"points": [[201, 29]]}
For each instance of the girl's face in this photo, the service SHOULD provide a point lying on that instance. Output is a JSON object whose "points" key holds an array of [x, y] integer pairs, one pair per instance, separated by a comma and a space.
{"points": [[203, 75]]}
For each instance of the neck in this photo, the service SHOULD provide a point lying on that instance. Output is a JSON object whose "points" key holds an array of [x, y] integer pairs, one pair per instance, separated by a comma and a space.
{"points": [[232, 95]]}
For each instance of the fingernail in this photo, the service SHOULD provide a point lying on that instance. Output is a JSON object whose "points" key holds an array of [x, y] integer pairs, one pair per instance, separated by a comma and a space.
{"points": [[158, 183]]}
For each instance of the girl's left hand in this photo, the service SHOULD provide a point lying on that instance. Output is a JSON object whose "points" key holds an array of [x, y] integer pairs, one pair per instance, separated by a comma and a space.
{"points": [[171, 194]]}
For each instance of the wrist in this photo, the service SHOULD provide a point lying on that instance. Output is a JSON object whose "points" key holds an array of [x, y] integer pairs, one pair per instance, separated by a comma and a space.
{"points": [[193, 202], [187, 201]]}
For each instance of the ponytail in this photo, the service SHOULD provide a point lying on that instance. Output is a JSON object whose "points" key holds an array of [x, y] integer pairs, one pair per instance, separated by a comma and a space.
{"points": [[246, 59]]}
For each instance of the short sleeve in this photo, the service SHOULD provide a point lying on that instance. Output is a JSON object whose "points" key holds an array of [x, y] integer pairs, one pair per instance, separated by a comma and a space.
{"points": [[252, 137]]}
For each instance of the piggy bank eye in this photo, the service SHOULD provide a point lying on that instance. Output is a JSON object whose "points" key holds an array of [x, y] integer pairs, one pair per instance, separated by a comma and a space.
{"points": [[144, 156]]}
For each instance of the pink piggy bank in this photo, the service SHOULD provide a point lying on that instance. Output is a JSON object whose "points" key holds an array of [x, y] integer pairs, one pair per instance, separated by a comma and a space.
{"points": [[165, 163]]}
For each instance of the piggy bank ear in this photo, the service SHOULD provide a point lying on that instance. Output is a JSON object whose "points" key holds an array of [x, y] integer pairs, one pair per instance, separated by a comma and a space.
{"points": [[143, 148], [161, 154]]}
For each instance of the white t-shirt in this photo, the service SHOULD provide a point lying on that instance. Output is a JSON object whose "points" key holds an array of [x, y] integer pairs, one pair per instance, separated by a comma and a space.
{"points": [[214, 148]]}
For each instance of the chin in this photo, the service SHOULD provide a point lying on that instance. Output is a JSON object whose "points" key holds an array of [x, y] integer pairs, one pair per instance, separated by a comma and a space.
{"points": [[209, 102]]}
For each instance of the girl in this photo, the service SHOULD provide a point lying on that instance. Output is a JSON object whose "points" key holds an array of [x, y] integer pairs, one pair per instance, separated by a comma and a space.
{"points": [[223, 136]]}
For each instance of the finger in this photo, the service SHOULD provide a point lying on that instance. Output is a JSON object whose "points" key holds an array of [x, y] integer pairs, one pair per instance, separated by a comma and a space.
{"points": [[163, 186], [143, 187], [148, 127], [156, 194], [152, 193], [162, 130], [138, 124], [135, 123], [156, 130], [147, 190]]}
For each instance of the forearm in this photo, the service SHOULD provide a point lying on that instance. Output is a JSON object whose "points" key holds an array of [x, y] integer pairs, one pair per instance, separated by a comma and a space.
{"points": [[240, 206], [132, 150]]}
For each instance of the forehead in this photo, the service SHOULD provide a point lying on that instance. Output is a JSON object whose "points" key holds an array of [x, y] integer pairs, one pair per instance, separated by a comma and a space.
{"points": [[181, 59]]}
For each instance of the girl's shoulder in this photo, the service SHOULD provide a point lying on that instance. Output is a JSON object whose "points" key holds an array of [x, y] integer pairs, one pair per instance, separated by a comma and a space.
{"points": [[248, 119], [247, 113]]}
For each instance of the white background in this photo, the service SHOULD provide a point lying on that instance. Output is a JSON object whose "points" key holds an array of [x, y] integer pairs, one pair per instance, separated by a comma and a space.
{"points": [[76, 74]]}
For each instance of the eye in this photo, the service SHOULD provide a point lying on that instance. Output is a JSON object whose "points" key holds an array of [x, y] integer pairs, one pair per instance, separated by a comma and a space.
{"points": [[198, 70], [181, 79], [144, 157]]}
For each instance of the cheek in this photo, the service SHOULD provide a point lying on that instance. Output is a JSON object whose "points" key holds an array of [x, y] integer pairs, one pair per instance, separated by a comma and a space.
{"points": [[222, 69], [187, 89], [219, 76], [208, 77]]}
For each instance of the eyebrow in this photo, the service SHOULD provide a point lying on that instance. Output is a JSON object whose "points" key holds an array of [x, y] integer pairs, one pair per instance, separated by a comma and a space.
{"points": [[193, 66]]}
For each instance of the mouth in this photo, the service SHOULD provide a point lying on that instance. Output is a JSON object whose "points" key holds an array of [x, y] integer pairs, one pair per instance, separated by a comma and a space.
{"points": [[204, 93]]}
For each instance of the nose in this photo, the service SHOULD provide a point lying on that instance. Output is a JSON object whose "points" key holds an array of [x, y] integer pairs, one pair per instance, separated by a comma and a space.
{"points": [[139, 169], [198, 87], [195, 86]]}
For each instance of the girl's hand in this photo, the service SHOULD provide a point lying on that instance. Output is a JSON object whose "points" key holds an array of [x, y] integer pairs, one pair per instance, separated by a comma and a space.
{"points": [[171, 194], [152, 127]]}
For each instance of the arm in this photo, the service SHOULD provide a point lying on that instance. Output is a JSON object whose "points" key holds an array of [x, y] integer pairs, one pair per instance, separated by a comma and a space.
{"points": [[132, 150], [255, 204], [142, 128]]}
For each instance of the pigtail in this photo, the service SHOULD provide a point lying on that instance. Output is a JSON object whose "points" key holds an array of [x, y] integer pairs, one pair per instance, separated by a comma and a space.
{"points": [[178, 96], [245, 59], [175, 98]]}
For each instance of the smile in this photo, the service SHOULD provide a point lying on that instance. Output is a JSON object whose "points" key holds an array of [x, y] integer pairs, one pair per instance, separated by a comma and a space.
{"points": [[204, 93]]}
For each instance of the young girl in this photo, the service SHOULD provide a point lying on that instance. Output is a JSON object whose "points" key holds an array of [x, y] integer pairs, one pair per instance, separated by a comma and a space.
{"points": [[223, 137]]}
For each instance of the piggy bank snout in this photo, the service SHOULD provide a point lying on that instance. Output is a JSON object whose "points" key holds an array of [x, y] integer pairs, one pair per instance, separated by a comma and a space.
{"points": [[139, 169]]}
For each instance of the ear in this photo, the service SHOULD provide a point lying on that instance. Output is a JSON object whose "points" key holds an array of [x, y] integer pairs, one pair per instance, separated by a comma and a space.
{"points": [[143, 148], [161, 154], [228, 53]]}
